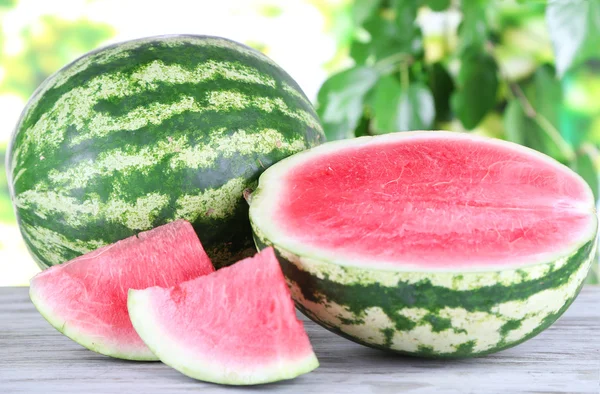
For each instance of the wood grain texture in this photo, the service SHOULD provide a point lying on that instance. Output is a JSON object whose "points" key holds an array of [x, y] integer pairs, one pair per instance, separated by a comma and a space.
{"points": [[563, 359]]}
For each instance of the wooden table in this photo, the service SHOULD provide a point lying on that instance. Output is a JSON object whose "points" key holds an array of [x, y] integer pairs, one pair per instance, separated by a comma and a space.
{"points": [[565, 358]]}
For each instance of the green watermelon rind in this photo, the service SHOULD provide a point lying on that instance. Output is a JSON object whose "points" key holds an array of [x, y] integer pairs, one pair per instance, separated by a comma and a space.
{"points": [[377, 308], [97, 345], [425, 313], [171, 352], [151, 113]]}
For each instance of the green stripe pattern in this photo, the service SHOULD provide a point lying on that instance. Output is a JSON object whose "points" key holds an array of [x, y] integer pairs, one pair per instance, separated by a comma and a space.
{"points": [[434, 314], [145, 132]]}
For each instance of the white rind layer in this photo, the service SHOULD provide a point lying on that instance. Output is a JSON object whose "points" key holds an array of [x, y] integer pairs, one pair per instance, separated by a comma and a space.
{"points": [[88, 340], [202, 367]]}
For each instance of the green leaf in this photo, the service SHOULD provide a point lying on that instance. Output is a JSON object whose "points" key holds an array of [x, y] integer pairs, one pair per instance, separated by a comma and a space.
{"points": [[543, 94], [584, 165], [438, 5], [406, 15], [442, 86], [547, 95], [516, 123], [398, 109], [524, 130], [394, 31], [359, 51], [363, 127], [477, 87], [473, 30], [363, 10], [574, 27], [340, 101]]}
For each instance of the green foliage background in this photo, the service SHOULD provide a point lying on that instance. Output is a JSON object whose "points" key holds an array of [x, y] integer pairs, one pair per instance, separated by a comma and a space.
{"points": [[524, 71]]}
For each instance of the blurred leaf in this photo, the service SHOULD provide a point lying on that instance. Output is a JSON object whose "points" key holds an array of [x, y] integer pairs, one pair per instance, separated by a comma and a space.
{"points": [[473, 30], [574, 27], [438, 5], [442, 86], [477, 87], [545, 94], [7, 3], [52, 44], [394, 32], [363, 127], [363, 10], [359, 51], [340, 101], [516, 123], [406, 15], [524, 130], [584, 165], [398, 109]]}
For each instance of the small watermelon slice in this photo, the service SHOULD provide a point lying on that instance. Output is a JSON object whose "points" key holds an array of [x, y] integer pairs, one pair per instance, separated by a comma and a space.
{"points": [[86, 298], [237, 326]]}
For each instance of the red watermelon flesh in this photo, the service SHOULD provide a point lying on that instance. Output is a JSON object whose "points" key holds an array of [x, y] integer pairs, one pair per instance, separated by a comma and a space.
{"points": [[236, 326], [426, 201], [86, 298]]}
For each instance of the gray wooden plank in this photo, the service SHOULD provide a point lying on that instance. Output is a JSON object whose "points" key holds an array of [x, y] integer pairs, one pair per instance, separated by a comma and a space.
{"points": [[34, 358]]}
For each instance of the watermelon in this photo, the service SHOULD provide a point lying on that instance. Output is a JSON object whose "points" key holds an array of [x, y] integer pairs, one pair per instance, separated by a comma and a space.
{"points": [[86, 298], [144, 132], [432, 244], [237, 326]]}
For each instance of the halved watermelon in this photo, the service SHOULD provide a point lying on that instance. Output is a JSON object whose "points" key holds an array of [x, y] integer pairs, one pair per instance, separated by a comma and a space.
{"points": [[429, 243], [86, 298], [237, 326]]}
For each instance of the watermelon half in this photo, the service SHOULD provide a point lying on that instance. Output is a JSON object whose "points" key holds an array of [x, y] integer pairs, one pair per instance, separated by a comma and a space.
{"points": [[144, 132], [237, 326], [86, 298], [434, 244]]}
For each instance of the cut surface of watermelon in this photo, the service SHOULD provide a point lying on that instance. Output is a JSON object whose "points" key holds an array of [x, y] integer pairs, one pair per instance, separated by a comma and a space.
{"points": [[237, 326], [86, 298], [424, 201]]}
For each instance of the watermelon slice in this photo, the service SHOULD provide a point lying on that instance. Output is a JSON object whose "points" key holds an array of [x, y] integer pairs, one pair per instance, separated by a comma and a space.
{"points": [[436, 244], [237, 326], [86, 298]]}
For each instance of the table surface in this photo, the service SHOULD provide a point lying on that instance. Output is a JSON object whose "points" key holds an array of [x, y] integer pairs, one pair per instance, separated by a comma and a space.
{"points": [[565, 358]]}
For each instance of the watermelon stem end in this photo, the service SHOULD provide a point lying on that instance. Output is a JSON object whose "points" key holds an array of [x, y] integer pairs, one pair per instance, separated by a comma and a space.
{"points": [[247, 193]]}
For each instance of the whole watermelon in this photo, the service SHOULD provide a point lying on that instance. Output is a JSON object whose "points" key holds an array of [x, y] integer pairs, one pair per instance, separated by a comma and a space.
{"points": [[144, 132]]}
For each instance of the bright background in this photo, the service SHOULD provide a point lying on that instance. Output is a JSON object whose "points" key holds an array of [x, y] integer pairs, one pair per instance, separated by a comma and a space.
{"points": [[315, 39]]}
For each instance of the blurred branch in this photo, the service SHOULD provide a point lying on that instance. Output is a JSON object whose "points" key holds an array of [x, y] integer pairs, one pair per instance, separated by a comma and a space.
{"points": [[545, 125], [389, 63]]}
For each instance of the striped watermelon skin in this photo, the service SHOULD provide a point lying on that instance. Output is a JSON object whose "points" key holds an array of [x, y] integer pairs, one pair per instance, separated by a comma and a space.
{"points": [[449, 306], [434, 314], [144, 132]]}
